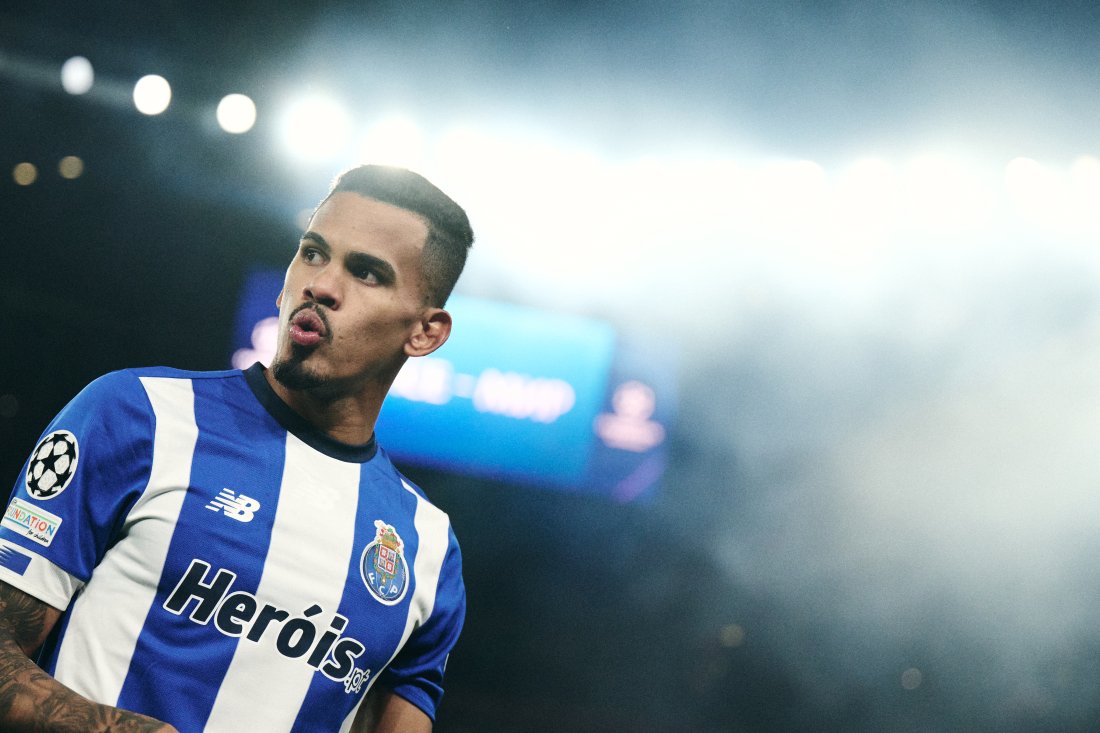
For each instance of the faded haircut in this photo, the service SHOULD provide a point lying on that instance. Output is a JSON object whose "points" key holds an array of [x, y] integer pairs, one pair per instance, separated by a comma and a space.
{"points": [[449, 234]]}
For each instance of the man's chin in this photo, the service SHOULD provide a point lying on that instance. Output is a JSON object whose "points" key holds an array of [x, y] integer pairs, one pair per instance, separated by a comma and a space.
{"points": [[294, 374]]}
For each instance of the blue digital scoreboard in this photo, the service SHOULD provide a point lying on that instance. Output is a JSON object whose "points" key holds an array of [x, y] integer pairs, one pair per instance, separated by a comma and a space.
{"points": [[516, 394]]}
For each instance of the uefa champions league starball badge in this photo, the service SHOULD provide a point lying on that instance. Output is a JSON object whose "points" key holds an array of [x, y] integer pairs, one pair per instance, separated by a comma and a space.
{"points": [[52, 465], [383, 565]]}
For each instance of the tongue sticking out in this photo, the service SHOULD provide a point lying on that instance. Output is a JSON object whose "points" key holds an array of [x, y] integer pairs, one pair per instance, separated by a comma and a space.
{"points": [[307, 328]]}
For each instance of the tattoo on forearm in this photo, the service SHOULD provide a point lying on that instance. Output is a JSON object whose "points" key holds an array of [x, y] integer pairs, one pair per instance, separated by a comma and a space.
{"points": [[30, 695], [23, 617], [37, 701]]}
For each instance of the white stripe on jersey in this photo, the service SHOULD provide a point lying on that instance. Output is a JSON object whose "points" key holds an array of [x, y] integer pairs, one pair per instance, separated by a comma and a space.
{"points": [[432, 525], [42, 579], [95, 655], [267, 687]]}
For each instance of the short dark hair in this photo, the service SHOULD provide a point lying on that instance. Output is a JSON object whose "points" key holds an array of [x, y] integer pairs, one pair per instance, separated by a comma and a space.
{"points": [[449, 234]]}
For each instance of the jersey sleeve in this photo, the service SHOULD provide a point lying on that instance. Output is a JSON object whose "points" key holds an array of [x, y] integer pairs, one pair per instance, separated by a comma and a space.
{"points": [[81, 479], [416, 673]]}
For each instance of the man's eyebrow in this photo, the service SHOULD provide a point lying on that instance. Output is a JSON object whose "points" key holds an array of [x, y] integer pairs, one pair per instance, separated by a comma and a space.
{"points": [[317, 239], [362, 260]]}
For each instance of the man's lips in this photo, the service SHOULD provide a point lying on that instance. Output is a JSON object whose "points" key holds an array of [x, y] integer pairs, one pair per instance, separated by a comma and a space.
{"points": [[307, 327]]}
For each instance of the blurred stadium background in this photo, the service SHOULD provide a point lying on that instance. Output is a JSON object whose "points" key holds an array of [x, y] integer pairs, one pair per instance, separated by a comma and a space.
{"points": [[844, 253]]}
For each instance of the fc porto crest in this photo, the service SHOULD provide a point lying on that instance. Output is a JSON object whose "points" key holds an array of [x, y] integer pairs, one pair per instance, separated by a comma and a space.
{"points": [[383, 565]]}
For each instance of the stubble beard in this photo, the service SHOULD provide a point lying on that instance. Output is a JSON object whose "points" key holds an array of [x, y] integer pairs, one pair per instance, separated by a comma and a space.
{"points": [[296, 374], [293, 373]]}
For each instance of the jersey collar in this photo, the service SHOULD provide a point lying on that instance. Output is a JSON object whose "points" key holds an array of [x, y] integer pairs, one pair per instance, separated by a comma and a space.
{"points": [[299, 426]]}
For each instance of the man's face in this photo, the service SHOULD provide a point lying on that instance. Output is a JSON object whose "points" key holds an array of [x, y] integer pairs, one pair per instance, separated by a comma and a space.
{"points": [[353, 305]]}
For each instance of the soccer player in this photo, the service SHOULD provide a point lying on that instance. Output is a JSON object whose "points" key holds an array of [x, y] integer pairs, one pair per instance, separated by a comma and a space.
{"points": [[232, 551]]}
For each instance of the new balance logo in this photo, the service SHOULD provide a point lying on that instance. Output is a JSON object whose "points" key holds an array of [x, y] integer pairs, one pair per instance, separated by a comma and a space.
{"points": [[242, 508]]}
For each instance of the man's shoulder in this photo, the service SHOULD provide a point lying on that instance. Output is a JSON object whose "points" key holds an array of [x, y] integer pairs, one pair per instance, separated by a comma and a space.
{"points": [[384, 463], [400, 479], [174, 373], [127, 385]]}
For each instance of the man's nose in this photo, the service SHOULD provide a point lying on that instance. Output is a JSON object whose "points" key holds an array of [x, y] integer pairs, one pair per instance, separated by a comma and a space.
{"points": [[324, 288]]}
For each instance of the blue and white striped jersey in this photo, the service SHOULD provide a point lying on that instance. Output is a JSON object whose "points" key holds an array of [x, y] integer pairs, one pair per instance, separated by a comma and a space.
{"points": [[222, 565]]}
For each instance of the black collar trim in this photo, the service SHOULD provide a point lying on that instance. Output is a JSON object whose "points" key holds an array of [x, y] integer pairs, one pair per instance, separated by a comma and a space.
{"points": [[299, 426]]}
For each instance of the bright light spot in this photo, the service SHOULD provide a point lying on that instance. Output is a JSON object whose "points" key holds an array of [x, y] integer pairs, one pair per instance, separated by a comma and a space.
{"points": [[152, 94], [77, 75], [628, 426], [315, 129], [394, 141], [788, 198], [236, 113], [866, 203], [732, 636], [911, 678], [1024, 176], [804, 173], [517, 176], [680, 188], [945, 194], [462, 148], [869, 178], [1085, 176], [24, 174], [1034, 188], [70, 167], [792, 183], [1086, 169], [930, 174], [1084, 180]]}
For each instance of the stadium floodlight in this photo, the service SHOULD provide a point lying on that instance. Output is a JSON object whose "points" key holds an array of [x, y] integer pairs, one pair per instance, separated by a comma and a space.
{"points": [[783, 187], [1085, 174], [1025, 175], [866, 201], [70, 167], [394, 141], [315, 128], [515, 175], [24, 174], [236, 113], [77, 75], [945, 194], [933, 173], [1084, 192], [1035, 189], [152, 94], [868, 176]]}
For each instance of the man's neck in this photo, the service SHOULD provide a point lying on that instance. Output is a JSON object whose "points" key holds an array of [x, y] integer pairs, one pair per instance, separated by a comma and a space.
{"points": [[347, 418]]}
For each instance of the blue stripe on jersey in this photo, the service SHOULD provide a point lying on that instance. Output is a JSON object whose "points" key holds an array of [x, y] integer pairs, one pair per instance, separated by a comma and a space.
{"points": [[252, 470], [382, 497], [13, 559]]}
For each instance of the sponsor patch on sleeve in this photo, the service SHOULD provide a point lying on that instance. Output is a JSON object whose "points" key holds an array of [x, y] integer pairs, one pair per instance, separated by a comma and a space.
{"points": [[13, 559], [31, 521]]}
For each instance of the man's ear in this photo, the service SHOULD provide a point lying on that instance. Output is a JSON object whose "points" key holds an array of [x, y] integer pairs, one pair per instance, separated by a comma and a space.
{"points": [[430, 332]]}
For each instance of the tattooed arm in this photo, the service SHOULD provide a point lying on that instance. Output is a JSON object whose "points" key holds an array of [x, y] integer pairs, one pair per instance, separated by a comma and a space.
{"points": [[31, 700]]}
